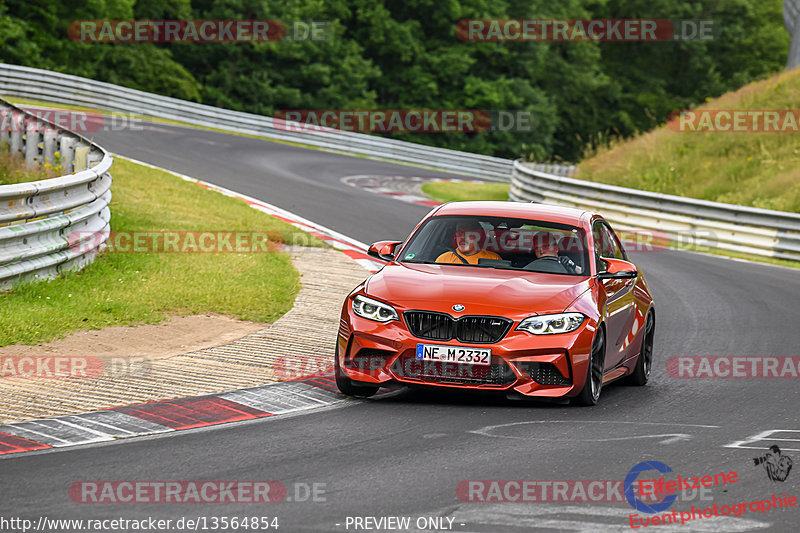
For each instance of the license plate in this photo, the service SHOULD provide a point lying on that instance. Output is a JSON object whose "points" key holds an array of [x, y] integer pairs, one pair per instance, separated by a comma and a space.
{"points": [[454, 354]]}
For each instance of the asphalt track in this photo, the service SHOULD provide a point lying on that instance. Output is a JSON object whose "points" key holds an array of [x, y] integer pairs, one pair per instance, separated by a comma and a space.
{"points": [[404, 454]]}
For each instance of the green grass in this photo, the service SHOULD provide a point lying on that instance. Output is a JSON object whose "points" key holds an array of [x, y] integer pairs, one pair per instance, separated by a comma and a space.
{"points": [[751, 169], [27, 101], [13, 169], [135, 288], [448, 191]]}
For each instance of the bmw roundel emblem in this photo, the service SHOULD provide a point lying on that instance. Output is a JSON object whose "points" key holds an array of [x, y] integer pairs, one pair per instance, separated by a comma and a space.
{"points": [[458, 307]]}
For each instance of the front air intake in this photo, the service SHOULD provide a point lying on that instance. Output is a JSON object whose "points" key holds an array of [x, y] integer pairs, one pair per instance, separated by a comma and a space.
{"points": [[443, 327]]}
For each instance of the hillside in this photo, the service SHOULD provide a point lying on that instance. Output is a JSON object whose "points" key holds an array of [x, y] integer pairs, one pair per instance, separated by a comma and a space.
{"points": [[759, 169]]}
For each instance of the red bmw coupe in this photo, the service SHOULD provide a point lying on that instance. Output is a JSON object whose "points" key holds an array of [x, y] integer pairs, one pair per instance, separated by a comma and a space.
{"points": [[530, 300]]}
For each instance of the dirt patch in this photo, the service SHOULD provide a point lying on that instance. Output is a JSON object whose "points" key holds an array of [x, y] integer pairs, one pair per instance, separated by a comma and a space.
{"points": [[189, 356], [176, 336]]}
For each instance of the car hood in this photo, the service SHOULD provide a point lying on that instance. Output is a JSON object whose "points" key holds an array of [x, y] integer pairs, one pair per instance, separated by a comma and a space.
{"points": [[442, 286]]}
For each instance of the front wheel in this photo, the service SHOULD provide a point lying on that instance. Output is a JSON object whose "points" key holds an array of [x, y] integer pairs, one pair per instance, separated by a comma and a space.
{"points": [[594, 372], [644, 363], [347, 386]]}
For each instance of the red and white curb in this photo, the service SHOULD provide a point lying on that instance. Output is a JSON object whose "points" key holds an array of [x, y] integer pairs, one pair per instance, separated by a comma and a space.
{"points": [[270, 400], [165, 416], [354, 249], [403, 188]]}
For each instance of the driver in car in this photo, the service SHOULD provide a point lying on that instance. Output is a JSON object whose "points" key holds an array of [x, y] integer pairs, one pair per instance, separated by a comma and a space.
{"points": [[545, 246], [468, 250]]}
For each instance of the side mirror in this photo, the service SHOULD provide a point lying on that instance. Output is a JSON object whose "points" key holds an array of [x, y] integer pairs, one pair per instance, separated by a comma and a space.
{"points": [[618, 269], [383, 250]]}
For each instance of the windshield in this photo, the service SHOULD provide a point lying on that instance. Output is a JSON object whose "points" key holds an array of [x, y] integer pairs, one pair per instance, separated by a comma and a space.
{"points": [[499, 242]]}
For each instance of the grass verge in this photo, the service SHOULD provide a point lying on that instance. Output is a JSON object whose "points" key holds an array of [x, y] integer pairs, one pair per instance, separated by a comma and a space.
{"points": [[135, 288], [13, 169], [738, 167], [449, 191]]}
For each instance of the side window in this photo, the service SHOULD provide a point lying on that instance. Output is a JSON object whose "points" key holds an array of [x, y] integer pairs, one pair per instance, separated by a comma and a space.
{"points": [[614, 247], [600, 247], [619, 252], [606, 245]]}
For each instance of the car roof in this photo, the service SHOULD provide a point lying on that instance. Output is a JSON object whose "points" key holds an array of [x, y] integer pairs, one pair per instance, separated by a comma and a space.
{"points": [[544, 212]]}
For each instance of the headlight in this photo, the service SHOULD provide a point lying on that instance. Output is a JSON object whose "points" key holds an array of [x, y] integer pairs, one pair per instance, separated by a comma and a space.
{"points": [[552, 324], [373, 309]]}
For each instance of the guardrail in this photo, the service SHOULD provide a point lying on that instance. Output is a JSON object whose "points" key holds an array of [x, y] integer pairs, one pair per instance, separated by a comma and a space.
{"points": [[728, 227], [749, 230], [26, 82], [51, 226]]}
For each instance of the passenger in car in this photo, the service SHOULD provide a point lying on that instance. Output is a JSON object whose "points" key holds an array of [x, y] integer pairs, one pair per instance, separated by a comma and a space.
{"points": [[545, 245], [468, 250]]}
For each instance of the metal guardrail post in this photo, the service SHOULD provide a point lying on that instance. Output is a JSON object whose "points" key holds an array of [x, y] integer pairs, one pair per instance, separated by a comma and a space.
{"points": [[67, 151], [31, 142], [81, 153], [17, 123], [49, 146], [5, 134]]}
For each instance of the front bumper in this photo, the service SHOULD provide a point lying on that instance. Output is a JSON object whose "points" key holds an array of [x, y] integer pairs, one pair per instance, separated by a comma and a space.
{"points": [[548, 366]]}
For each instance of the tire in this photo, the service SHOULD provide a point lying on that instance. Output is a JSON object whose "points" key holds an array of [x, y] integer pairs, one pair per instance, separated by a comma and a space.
{"points": [[347, 386], [590, 393], [644, 363]]}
